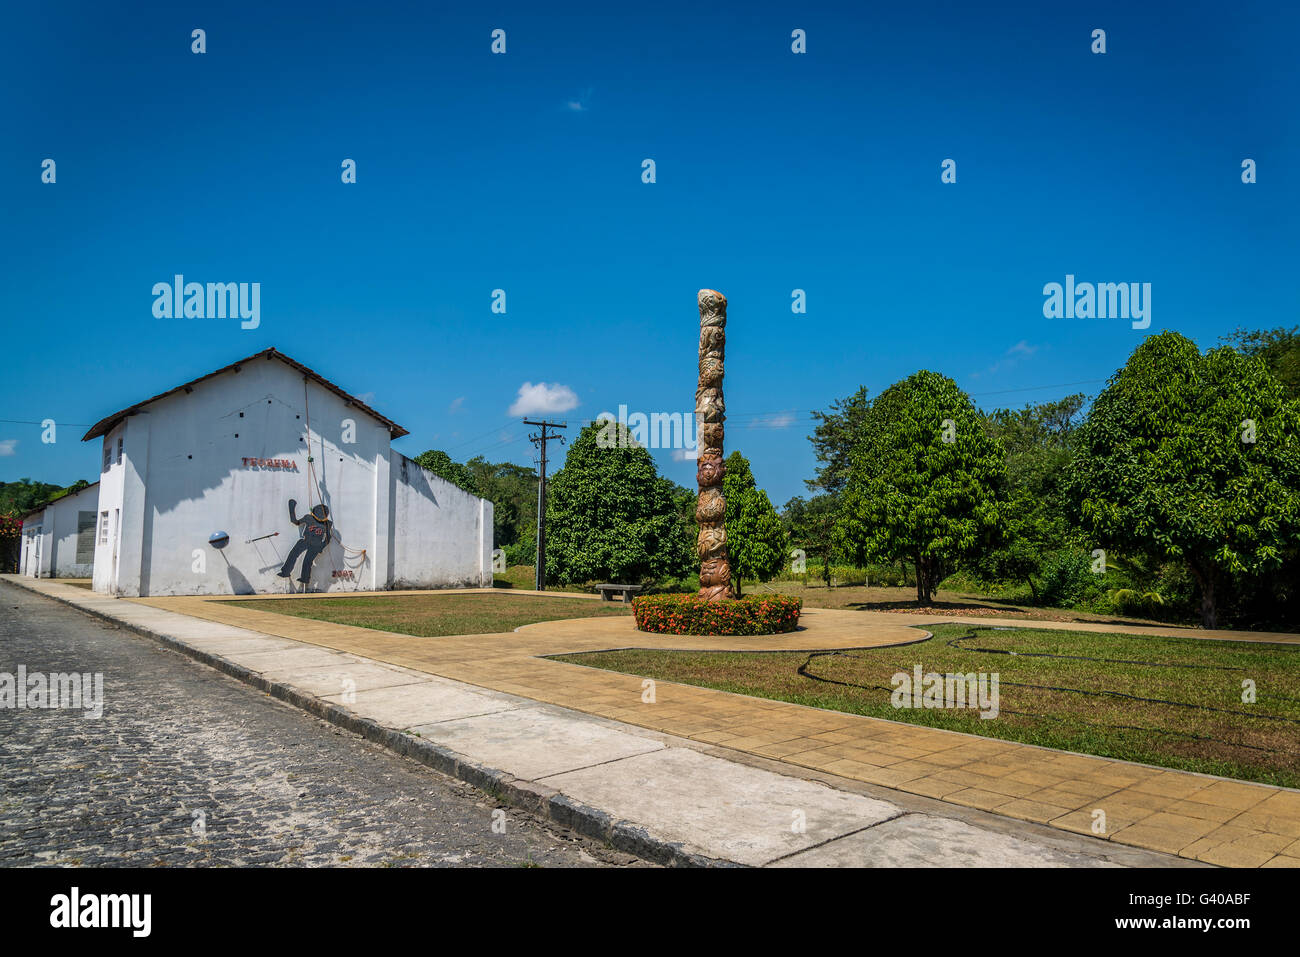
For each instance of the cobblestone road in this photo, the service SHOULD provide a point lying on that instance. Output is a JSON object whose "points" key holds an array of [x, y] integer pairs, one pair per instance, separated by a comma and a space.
{"points": [[181, 745]]}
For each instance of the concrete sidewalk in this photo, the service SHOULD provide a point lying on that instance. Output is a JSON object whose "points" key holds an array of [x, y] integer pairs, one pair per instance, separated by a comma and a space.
{"points": [[665, 797]]}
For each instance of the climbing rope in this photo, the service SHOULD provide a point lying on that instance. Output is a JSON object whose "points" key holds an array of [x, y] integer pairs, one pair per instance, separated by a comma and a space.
{"points": [[312, 484]]}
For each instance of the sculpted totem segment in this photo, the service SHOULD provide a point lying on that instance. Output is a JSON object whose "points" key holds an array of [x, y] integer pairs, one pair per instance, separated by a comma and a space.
{"points": [[711, 509]]}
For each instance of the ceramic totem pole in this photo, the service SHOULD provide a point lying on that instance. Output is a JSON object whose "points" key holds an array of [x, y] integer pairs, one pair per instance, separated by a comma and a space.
{"points": [[711, 509]]}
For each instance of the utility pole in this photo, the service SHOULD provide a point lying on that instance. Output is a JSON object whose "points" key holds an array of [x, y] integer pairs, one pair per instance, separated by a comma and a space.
{"points": [[541, 440]]}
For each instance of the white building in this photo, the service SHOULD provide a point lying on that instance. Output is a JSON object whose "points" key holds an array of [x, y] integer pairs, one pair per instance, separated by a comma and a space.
{"points": [[59, 540], [196, 483]]}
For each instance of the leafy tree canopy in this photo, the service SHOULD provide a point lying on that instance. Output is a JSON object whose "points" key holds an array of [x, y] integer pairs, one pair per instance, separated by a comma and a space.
{"points": [[837, 431], [755, 536], [1194, 457], [611, 517], [927, 484]]}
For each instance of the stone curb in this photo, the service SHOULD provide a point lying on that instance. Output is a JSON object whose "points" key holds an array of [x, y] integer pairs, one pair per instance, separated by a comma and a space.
{"points": [[529, 796]]}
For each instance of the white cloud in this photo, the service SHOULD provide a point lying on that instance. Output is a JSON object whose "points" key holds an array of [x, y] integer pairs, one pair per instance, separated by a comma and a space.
{"points": [[8, 447], [580, 103], [543, 399], [781, 420], [1010, 359], [456, 403], [686, 455]]}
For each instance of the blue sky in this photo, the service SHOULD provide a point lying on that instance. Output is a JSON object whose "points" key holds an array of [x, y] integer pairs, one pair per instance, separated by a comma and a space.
{"points": [[522, 172]]}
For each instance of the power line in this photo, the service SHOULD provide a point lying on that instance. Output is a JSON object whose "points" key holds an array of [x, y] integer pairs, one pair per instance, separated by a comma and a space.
{"points": [[461, 445], [540, 441], [72, 425], [732, 416]]}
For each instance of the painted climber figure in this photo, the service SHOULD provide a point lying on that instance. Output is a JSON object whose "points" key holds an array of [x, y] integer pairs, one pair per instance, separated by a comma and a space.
{"points": [[315, 530]]}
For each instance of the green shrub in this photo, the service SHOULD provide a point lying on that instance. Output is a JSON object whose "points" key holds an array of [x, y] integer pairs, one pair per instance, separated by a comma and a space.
{"points": [[1068, 579], [521, 553], [693, 615], [1130, 601]]}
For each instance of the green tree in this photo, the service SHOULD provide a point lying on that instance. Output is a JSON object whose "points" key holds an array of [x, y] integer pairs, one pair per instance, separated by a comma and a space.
{"points": [[441, 465], [611, 517], [1192, 457], [755, 536], [512, 490], [1037, 443], [25, 495], [838, 430], [927, 483], [1278, 348], [810, 525]]}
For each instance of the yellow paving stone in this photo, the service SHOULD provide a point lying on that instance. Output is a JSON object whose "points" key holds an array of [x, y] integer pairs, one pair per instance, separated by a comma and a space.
{"points": [[1171, 784], [1120, 777], [889, 777], [1282, 861], [781, 749], [1283, 824], [850, 769], [1131, 798], [946, 759], [833, 736], [710, 737], [964, 776], [1207, 812], [1163, 831], [975, 797], [812, 754], [1248, 837], [1071, 800], [933, 787], [1016, 789], [1088, 790], [881, 759], [1027, 810], [922, 766], [1032, 775], [1280, 802], [1231, 855], [1226, 794], [1083, 820]]}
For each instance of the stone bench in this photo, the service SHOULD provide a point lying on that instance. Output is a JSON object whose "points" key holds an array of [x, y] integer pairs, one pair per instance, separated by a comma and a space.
{"points": [[607, 592]]}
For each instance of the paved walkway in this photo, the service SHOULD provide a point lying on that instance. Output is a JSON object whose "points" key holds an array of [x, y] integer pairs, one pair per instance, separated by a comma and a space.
{"points": [[1200, 817]]}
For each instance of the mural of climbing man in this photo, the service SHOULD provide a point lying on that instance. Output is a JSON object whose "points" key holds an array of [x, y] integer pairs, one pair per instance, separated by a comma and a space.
{"points": [[315, 530]]}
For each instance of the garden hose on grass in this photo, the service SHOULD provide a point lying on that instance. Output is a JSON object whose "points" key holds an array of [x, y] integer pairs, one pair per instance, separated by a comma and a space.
{"points": [[804, 671], [952, 642]]}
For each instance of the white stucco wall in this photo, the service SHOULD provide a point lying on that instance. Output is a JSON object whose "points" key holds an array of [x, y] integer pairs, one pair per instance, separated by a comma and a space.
{"points": [[111, 484], [438, 530], [33, 547], [183, 476], [56, 556]]}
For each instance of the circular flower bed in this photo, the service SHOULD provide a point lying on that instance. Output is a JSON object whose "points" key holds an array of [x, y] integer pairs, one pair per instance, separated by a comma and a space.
{"points": [[693, 615]]}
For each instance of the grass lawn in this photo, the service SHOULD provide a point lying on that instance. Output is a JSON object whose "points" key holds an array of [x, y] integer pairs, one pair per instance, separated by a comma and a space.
{"points": [[1174, 702], [430, 616], [900, 599]]}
